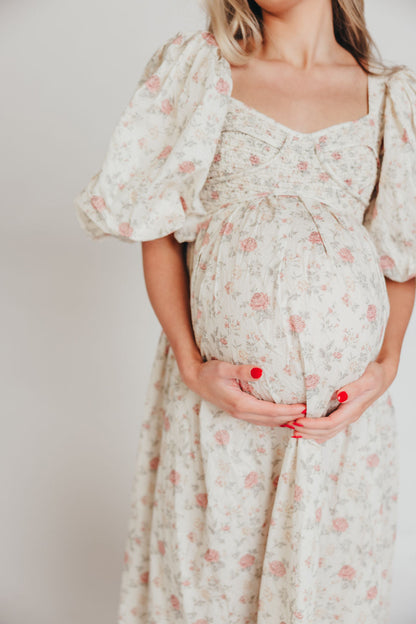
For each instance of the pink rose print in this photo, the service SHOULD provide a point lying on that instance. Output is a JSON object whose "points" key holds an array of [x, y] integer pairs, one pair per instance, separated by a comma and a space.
{"points": [[98, 203], [209, 38], [178, 40], [184, 205], [315, 237], [202, 500], [347, 572], [346, 254], [174, 602], [254, 159], [298, 493], [302, 165], [154, 463], [251, 479], [153, 83], [212, 555], [222, 86], [311, 381], [259, 301], [226, 228], [405, 137], [246, 561], [318, 514], [340, 524], [248, 244], [277, 568], [276, 480], [296, 322], [125, 229], [371, 312], [161, 547], [373, 460], [372, 593], [126, 557], [165, 152], [166, 107], [144, 578], [174, 477], [324, 176], [386, 262], [222, 437], [336, 155], [186, 167]]}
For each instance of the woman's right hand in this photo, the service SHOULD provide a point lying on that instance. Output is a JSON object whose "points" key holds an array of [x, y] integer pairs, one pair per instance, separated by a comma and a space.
{"points": [[217, 382]]}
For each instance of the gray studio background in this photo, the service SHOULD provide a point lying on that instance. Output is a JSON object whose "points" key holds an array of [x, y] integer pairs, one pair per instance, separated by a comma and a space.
{"points": [[78, 333]]}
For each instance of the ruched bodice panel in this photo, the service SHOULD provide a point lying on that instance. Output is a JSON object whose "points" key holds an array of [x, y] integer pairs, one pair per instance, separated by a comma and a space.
{"points": [[257, 156]]}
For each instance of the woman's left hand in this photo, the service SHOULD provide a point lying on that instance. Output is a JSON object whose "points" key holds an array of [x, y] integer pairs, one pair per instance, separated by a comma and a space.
{"points": [[355, 398]]}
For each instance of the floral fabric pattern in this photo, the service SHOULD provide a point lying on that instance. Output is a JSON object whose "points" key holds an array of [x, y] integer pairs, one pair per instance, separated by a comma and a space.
{"points": [[289, 236]]}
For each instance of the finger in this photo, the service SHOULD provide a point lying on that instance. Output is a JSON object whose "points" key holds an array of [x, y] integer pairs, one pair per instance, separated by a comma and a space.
{"points": [[255, 419], [246, 372], [356, 388], [250, 404], [324, 423]]}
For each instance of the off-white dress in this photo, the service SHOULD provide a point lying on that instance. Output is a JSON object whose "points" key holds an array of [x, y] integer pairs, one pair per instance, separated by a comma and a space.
{"points": [[289, 236]]}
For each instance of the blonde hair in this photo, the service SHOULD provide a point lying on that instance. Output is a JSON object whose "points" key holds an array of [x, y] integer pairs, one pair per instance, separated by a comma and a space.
{"points": [[230, 21]]}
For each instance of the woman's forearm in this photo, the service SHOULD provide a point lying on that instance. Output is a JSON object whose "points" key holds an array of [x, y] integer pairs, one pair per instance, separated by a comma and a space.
{"points": [[402, 298], [167, 283]]}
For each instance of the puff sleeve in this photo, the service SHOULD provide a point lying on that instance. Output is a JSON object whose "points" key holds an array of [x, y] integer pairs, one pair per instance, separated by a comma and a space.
{"points": [[391, 216], [161, 149]]}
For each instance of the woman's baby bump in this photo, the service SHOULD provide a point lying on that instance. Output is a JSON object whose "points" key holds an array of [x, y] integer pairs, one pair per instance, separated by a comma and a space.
{"points": [[306, 303]]}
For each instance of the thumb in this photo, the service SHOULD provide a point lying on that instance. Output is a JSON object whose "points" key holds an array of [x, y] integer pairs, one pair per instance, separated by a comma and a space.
{"points": [[350, 391], [248, 372]]}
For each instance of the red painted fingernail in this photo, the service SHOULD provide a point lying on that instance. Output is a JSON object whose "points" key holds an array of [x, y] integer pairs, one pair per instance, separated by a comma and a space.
{"points": [[342, 396], [303, 411], [296, 436], [256, 372], [299, 424]]}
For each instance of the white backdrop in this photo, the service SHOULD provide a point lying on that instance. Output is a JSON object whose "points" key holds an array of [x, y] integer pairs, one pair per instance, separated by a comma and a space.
{"points": [[78, 333]]}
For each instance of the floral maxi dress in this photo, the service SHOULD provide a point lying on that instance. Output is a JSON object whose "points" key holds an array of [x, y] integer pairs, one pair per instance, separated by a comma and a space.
{"points": [[289, 237]]}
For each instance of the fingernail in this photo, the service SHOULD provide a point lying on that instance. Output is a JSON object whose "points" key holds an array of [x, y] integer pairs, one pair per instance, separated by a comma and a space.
{"points": [[296, 436], [256, 372], [290, 426], [299, 424], [342, 396], [303, 411]]}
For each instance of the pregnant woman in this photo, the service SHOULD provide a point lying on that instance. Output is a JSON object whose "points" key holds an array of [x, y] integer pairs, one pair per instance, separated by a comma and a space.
{"points": [[270, 173]]}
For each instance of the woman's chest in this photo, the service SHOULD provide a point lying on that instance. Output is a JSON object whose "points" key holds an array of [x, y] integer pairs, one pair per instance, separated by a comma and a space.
{"points": [[256, 154]]}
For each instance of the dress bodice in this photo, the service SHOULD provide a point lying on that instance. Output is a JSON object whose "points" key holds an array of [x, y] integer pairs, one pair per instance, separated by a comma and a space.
{"points": [[256, 155]]}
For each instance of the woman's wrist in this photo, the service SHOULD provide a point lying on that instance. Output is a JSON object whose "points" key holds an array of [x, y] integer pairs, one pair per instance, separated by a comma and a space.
{"points": [[390, 364], [188, 364]]}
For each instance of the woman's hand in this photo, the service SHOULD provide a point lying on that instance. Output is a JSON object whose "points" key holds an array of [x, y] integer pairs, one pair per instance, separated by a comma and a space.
{"points": [[354, 397], [218, 382]]}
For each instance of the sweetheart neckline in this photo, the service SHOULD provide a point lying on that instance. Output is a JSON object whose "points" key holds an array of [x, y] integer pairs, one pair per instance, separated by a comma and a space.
{"points": [[297, 133]]}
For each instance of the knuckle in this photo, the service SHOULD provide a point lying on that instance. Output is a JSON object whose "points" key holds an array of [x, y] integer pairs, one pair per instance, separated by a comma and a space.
{"points": [[237, 404], [222, 368]]}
